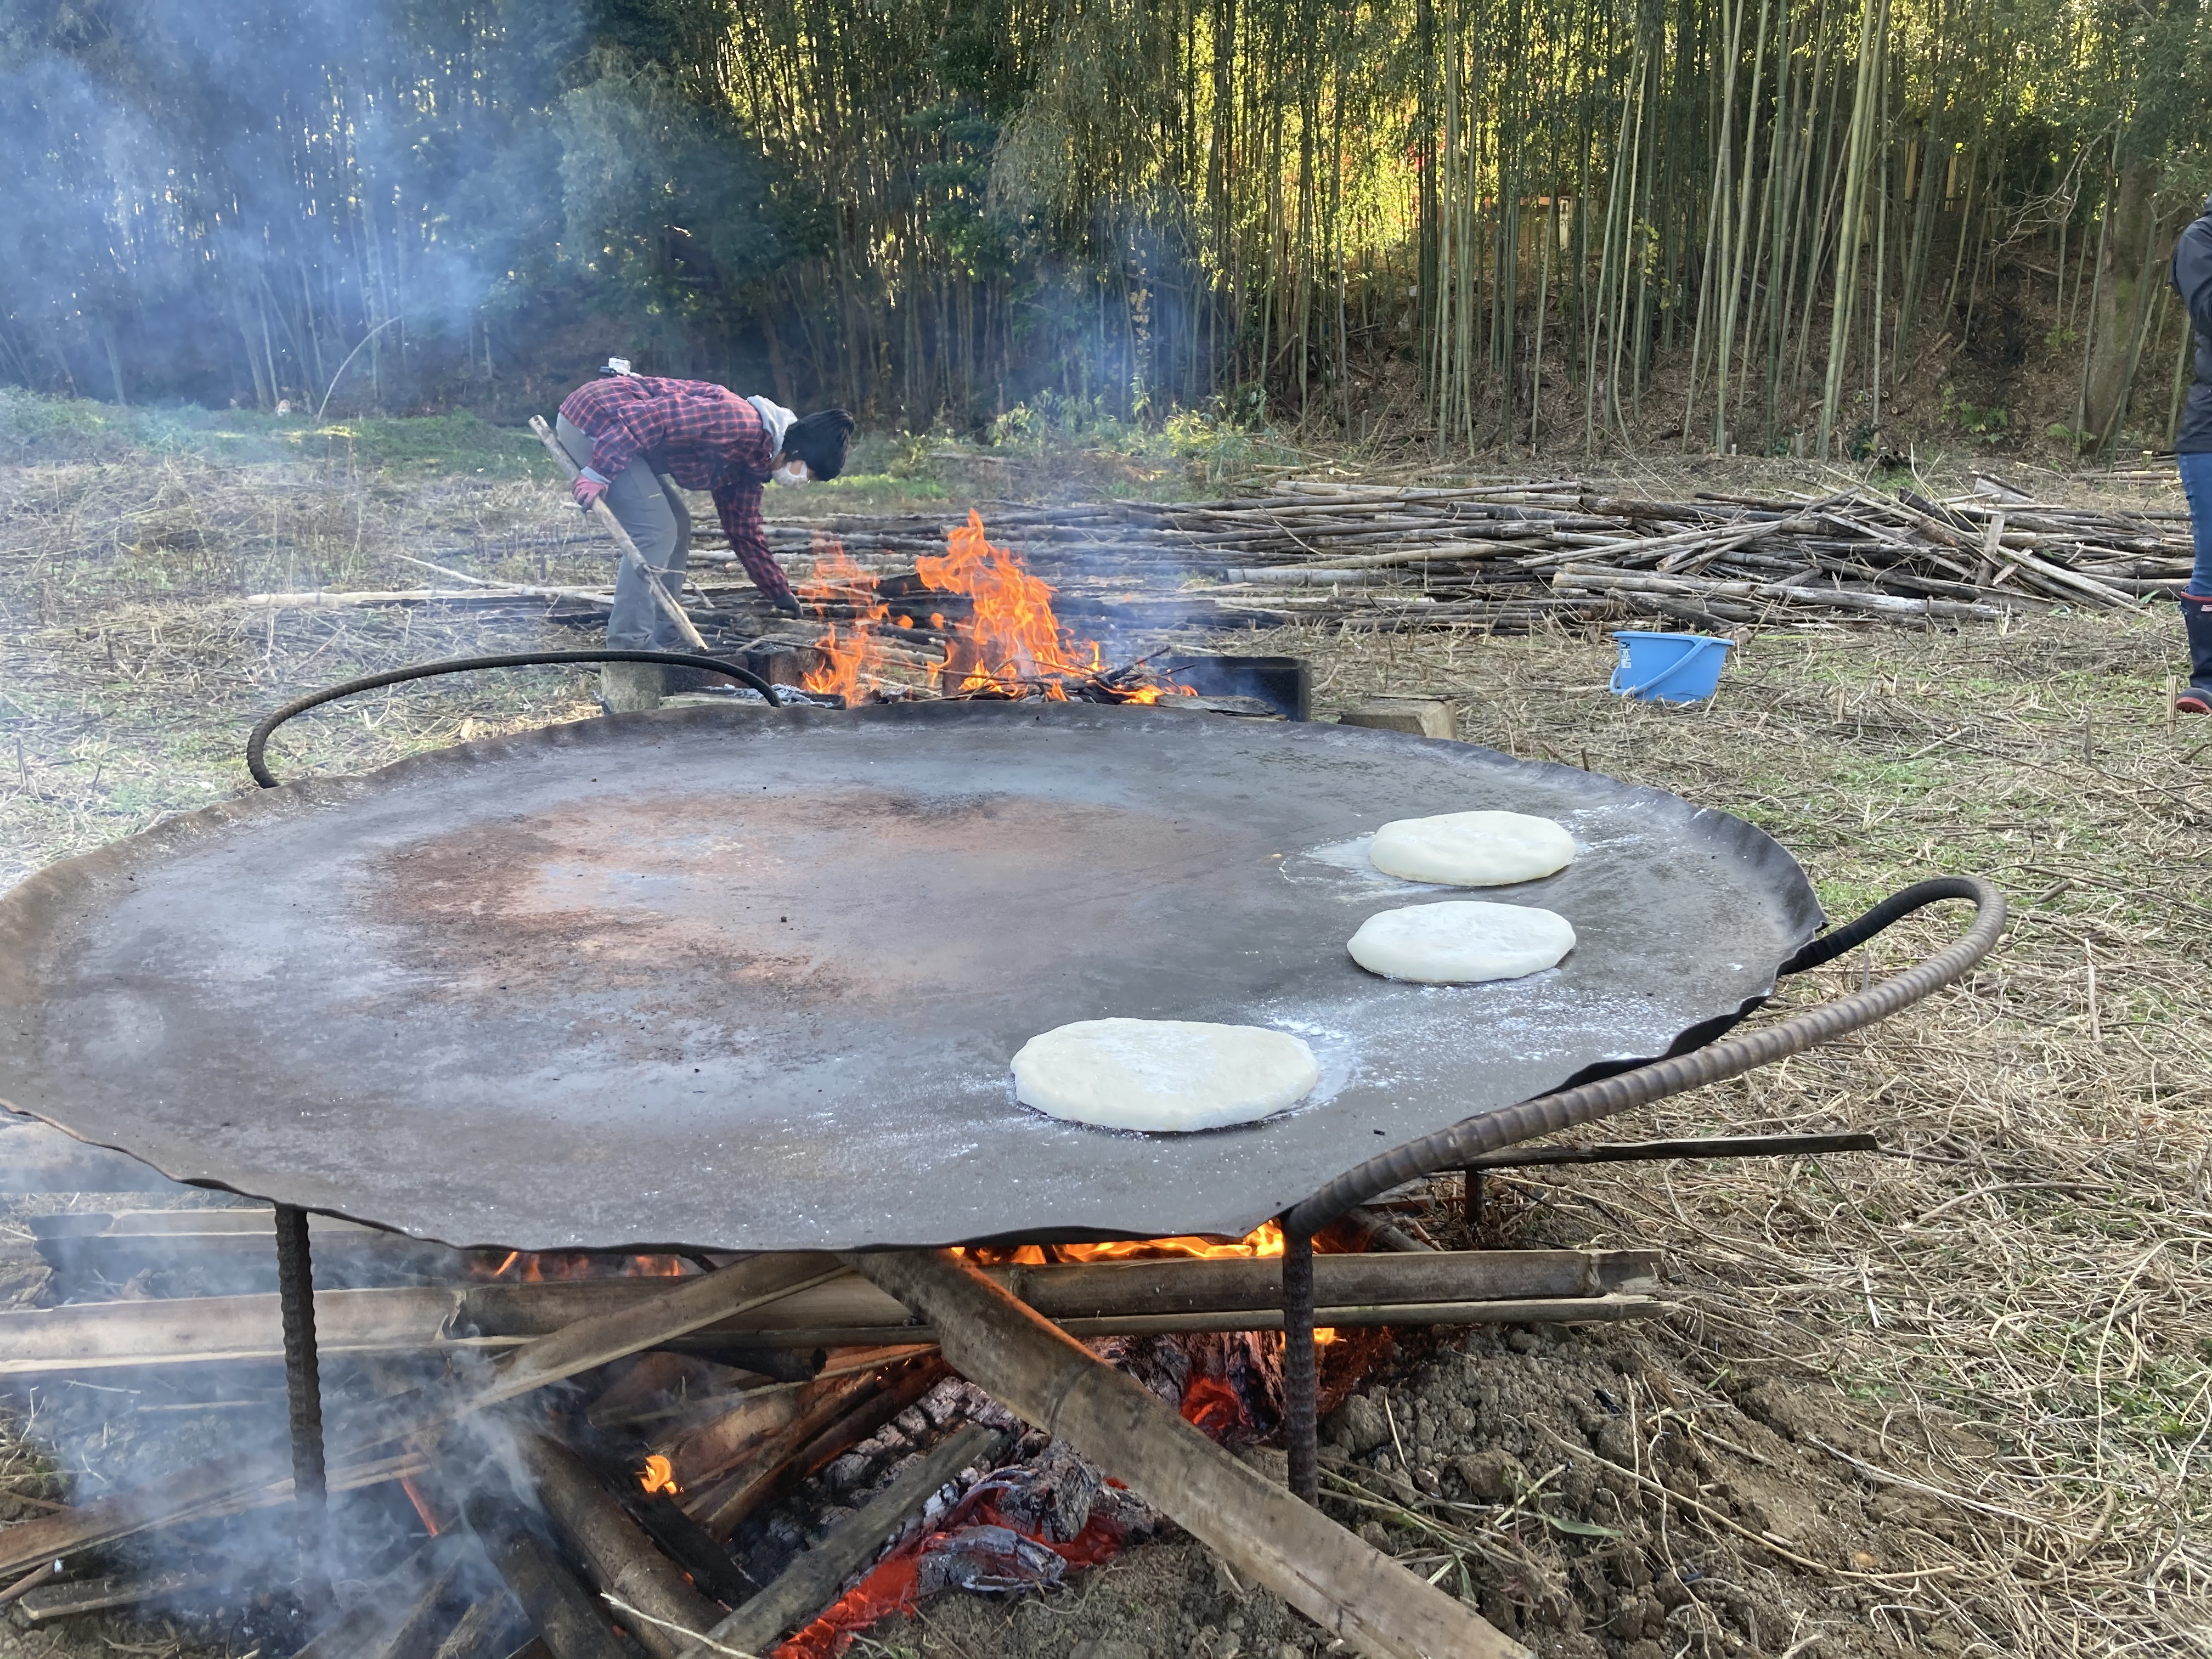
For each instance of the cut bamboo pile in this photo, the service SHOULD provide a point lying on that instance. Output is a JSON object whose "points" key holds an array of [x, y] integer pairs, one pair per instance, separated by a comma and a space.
{"points": [[1501, 557]]}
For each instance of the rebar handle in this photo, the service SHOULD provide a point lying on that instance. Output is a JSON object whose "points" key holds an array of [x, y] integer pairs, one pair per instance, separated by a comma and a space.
{"points": [[1730, 1056], [256, 744], [1458, 1146]]}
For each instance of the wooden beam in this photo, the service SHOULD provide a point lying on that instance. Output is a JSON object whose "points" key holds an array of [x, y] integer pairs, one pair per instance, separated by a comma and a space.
{"points": [[810, 1583], [1351, 1589]]}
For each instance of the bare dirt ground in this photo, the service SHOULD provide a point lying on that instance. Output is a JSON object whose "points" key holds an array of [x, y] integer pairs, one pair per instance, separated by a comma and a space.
{"points": [[1949, 1398]]}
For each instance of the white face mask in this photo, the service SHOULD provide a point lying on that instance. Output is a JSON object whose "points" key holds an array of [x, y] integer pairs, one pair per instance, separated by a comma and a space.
{"points": [[791, 473]]}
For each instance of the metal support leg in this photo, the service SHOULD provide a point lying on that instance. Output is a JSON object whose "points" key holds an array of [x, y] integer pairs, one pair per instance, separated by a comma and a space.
{"points": [[1471, 1198], [303, 1391], [1301, 1380]]}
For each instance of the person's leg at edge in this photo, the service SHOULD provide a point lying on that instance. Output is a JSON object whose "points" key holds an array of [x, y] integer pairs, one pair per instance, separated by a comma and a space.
{"points": [[2196, 599], [635, 623]]}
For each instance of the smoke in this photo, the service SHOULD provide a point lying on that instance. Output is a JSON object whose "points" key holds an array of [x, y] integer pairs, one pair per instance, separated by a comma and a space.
{"points": [[220, 199]]}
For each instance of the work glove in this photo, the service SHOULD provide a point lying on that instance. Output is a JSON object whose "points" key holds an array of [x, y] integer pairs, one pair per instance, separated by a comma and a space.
{"points": [[785, 604], [588, 486]]}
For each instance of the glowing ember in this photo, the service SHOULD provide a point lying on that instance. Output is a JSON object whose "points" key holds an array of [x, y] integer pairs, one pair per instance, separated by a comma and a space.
{"points": [[1008, 644], [421, 1505], [658, 1474]]}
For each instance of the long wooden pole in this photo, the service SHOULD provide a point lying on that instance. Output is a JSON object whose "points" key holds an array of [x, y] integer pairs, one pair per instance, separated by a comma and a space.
{"points": [[1266, 1536], [612, 525], [1229, 1293]]}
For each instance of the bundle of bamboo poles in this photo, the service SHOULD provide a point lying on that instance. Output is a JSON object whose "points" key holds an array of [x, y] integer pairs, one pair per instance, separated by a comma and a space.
{"points": [[1503, 558]]}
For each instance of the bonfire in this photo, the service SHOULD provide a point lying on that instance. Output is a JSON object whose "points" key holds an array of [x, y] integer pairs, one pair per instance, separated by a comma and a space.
{"points": [[973, 624]]}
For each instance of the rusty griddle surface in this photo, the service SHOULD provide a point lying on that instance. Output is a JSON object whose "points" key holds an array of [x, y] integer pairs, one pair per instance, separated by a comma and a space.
{"points": [[750, 980]]}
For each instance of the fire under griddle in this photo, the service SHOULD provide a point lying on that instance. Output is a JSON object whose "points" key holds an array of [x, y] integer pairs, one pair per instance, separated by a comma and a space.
{"points": [[740, 979]]}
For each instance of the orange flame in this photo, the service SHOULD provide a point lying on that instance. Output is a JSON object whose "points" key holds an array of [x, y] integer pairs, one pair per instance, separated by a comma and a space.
{"points": [[658, 1474], [530, 1268], [1263, 1241], [1009, 643]]}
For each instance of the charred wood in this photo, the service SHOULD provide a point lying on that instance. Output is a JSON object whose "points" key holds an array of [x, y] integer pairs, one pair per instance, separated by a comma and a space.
{"points": [[570, 1619], [487, 1629], [812, 1444], [812, 1582], [614, 1550]]}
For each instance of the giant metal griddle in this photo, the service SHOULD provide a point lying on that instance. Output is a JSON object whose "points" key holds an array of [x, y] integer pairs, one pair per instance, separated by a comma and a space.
{"points": [[732, 979]]}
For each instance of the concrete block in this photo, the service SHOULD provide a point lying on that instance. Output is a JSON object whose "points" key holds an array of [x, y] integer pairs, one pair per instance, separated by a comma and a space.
{"points": [[1424, 717]]}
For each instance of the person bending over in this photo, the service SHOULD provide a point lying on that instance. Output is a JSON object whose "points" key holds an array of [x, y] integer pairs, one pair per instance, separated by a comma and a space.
{"points": [[2192, 279], [639, 437]]}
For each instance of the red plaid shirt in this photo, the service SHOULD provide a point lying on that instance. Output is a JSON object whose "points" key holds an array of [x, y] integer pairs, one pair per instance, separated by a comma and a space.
{"points": [[702, 436]]}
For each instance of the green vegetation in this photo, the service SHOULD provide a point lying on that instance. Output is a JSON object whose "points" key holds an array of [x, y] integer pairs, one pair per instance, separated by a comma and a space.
{"points": [[1751, 218], [38, 427]]}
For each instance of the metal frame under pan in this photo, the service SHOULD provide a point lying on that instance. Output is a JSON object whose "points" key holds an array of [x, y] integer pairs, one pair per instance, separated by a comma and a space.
{"points": [[1702, 1056]]}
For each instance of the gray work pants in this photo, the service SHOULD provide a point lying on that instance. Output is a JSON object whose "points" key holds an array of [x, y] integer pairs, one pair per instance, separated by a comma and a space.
{"points": [[649, 509]]}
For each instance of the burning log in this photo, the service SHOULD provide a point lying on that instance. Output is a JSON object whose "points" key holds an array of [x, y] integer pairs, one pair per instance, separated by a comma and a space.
{"points": [[700, 1454], [621, 1559], [225, 1488], [812, 1582], [1349, 1589], [812, 1444]]}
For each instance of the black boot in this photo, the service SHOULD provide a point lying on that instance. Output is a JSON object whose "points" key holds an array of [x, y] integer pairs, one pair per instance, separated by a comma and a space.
{"points": [[2196, 618]]}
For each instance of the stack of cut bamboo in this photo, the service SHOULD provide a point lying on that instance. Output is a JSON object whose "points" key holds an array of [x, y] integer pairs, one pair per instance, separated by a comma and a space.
{"points": [[1502, 557], [1505, 556]]}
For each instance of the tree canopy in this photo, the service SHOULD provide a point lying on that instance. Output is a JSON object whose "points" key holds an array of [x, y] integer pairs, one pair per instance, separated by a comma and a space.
{"points": [[934, 209]]}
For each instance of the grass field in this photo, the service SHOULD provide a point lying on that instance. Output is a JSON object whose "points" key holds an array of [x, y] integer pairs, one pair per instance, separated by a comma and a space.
{"points": [[1981, 1354]]}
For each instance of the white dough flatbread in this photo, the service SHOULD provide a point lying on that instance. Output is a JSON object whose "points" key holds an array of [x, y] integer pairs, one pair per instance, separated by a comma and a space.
{"points": [[1472, 849], [1163, 1076], [1461, 942]]}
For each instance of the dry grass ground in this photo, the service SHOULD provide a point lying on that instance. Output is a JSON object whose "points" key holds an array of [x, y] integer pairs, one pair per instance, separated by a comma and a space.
{"points": [[1953, 1398], [2014, 1291]]}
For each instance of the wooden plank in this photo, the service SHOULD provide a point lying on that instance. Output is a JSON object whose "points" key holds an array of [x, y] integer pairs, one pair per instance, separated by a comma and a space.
{"points": [[1351, 1589]]}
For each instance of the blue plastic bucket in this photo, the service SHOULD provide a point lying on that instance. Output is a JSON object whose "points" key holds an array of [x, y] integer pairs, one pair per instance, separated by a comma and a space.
{"points": [[1668, 668]]}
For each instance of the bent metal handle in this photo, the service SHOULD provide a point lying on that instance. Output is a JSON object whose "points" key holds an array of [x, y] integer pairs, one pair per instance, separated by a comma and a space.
{"points": [[258, 742], [1729, 1057]]}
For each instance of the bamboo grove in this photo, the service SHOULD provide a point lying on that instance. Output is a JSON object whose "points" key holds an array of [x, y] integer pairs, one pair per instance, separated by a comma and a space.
{"points": [[1728, 223]]}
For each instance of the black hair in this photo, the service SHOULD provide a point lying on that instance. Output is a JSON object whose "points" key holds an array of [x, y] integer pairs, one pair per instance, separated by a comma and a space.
{"points": [[820, 440]]}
